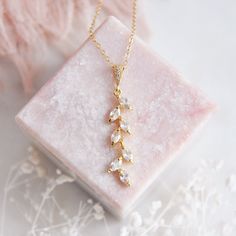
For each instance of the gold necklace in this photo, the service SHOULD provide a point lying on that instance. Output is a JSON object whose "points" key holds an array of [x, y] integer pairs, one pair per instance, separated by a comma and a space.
{"points": [[117, 137]]}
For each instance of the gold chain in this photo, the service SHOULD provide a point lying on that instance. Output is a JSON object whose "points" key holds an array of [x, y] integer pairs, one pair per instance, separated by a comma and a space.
{"points": [[130, 39]]}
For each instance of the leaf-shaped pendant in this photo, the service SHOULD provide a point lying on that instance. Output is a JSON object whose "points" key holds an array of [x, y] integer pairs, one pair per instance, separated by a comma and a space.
{"points": [[114, 114], [115, 165], [124, 103], [116, 137], [127, 155], [124, 125], [124, 177]]}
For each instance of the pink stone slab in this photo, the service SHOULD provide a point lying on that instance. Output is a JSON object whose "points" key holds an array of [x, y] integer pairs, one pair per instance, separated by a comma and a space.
{"points": [[68, 116]]}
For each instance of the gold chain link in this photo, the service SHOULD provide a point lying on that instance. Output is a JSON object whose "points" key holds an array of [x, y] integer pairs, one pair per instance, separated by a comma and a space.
{"points": [[130, 39]]}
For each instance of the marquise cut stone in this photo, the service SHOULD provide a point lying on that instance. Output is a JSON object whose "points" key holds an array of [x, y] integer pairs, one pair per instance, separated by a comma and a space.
{"points": [[124, 125], [127, 155], [114, 114], [115, 137], [124, 177], [115, 165], [124, 103]]}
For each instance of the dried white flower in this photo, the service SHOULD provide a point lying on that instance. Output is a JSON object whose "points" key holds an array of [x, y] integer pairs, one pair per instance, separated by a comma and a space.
{"points": [[169, 232], [58, 171], [27, 168], [231, 183], [124, 231], [218, 165], [135, 220], [98, 212], [64, 179], [178, 220], [34, 159], [42, 209], [227, 229], [191, 208], [156, 205], [90, 201]]}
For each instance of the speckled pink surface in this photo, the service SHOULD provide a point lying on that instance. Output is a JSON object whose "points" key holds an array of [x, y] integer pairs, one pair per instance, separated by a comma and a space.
{"points": [[68, 116]]}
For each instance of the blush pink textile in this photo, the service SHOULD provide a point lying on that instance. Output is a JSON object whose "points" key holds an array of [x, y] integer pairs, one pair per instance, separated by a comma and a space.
{"points": [[28, 28], [68, 117]]}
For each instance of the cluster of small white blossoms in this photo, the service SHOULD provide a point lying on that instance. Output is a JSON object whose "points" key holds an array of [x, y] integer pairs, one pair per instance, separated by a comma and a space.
{"points": [[197, 208], [40, 207]]}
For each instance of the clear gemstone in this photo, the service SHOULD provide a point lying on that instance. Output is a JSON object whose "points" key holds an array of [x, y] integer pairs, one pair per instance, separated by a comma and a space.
{"points": [[124, 177], [127, 155], [124, 103], [115, 165], [116, 136], [124, 125], [115, 114]]}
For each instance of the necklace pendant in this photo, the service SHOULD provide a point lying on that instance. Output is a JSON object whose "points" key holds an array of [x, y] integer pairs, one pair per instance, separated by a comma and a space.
{"points": [[122, 128]]}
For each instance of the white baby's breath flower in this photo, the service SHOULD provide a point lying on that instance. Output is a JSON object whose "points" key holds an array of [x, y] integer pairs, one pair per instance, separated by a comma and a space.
{"points": [[90, 201], [178, 220], [231, 183], [64, 179], [27, 168], [187, 197], [98, 212], [156, 205], [124, 231], [58, 172], [136, 220], [227, 229], [162, 222], [64, 230], [169, 232], [44, 234], [34, 159], [73, 232], [218, 165]]}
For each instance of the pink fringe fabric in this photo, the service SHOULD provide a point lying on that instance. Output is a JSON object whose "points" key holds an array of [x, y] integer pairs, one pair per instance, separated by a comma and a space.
{"points": [[28, 28]]}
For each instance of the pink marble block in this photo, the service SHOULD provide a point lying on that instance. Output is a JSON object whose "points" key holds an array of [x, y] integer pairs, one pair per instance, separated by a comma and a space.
{"points": [[68, 117]]}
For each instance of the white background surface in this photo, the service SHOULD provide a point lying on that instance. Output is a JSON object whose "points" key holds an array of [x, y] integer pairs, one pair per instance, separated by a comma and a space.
{"points": [[199, 38]]}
